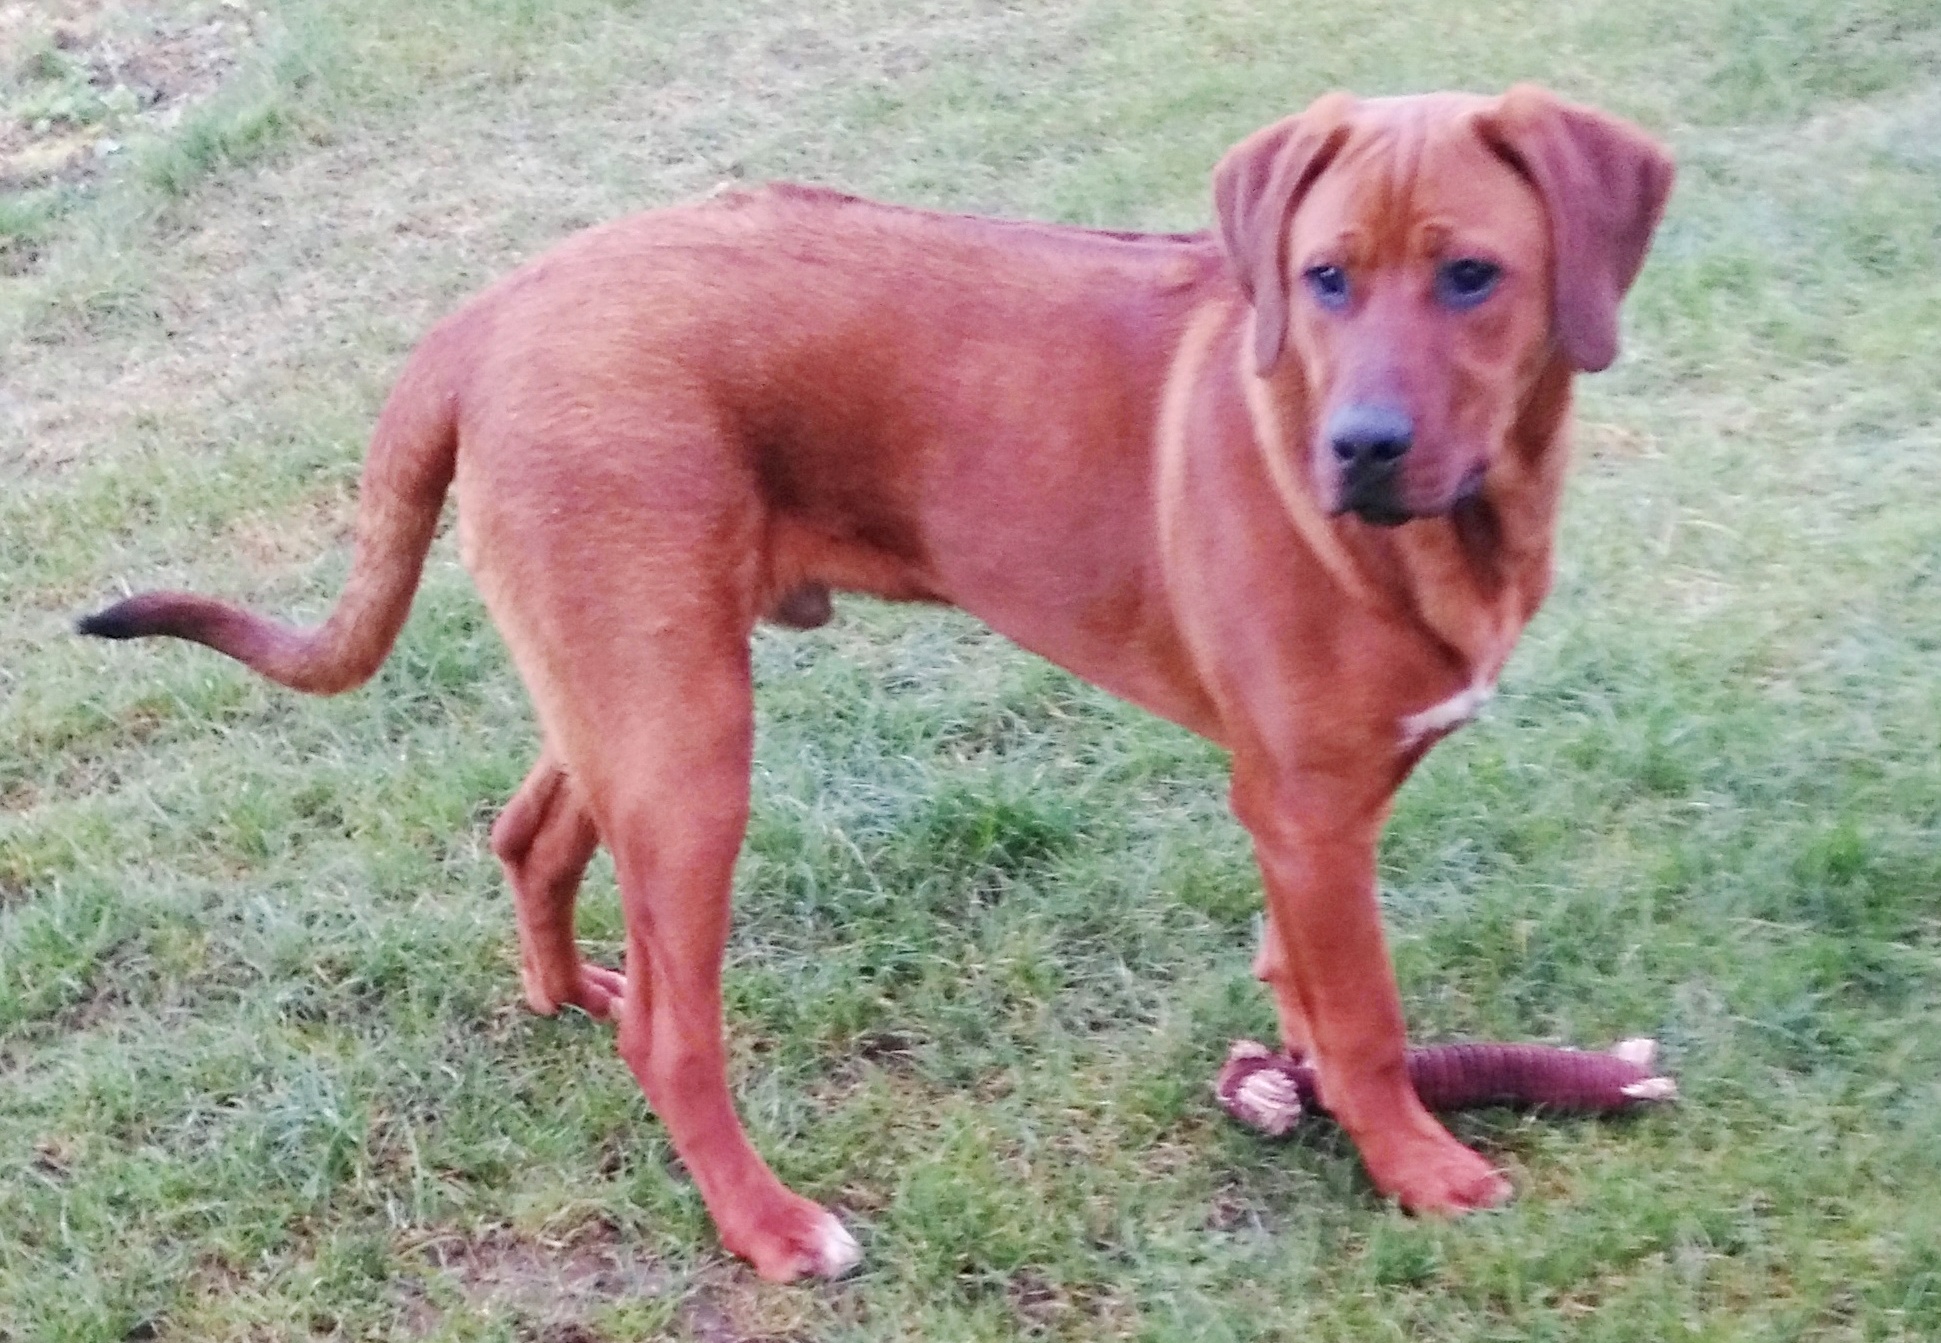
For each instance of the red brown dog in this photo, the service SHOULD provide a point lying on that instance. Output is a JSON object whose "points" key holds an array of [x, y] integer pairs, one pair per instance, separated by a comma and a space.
{"points": [[1292, 486]]}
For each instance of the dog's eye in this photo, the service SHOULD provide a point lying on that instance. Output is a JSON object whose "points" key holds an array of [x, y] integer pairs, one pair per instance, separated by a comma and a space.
{"points": [[1328, 284], [1466, 282]]}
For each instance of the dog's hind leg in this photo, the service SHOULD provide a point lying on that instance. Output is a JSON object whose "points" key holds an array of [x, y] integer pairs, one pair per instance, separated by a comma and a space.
{"points": [[544, 840], [626, 571], [1271, 968], [663, 751]]}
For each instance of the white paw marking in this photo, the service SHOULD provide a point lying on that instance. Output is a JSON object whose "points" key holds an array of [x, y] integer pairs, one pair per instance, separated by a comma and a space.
{"points": [[836, 1250], [1452, 713]]}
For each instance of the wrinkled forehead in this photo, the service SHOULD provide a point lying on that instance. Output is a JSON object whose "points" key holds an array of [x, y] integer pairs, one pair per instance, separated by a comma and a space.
{"points": [[1416, 176]]}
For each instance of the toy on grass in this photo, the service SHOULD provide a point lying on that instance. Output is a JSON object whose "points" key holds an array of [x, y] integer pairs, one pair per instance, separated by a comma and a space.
{"points": [[1268, 1090]]}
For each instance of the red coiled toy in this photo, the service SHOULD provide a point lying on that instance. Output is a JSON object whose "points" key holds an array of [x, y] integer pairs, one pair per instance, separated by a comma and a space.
{"points": [[1269, 1091]]}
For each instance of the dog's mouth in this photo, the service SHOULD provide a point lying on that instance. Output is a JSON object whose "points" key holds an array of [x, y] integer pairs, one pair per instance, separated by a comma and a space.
{"points": [[1373, 494], [1376, 499], [1378, 513]]}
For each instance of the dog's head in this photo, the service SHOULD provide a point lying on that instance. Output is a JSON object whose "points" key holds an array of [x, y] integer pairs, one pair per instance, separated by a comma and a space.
{"points": [[1422, 260]]}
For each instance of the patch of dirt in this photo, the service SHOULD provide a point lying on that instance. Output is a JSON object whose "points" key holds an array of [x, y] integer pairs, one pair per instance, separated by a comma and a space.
{"points": [[14, 888], [546, 1285], [104, 1000], [548, 1289], [216, 1276], [276, 543], [1044, 1308], [89, 72], [738, 1308], [1232, 1210], [1602, 442]]}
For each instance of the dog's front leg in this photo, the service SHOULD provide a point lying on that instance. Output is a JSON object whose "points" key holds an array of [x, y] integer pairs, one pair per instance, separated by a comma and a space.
{"points": [[1330, 972]]}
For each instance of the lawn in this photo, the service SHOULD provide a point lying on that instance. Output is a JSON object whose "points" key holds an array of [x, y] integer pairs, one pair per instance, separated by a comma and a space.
{"points": [[264, 1072]]}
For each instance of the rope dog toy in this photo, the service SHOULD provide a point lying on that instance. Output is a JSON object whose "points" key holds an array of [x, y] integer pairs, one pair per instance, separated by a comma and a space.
{"points": [[1269, 1091]]}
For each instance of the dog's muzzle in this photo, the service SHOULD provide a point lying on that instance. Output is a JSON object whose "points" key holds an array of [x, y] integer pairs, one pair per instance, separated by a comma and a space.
{"points": [[1369, 441]]}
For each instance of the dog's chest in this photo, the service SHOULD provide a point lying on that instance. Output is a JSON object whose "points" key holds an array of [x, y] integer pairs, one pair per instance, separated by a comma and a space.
{"points": [[1484, 642], [1428, 726]]}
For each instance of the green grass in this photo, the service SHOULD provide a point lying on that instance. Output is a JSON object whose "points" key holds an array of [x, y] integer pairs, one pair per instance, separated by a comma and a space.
{"points": [[263, 1072]]}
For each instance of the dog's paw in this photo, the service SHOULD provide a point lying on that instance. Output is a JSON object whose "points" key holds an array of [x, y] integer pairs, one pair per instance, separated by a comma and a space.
{"points": [[594, 989], [836, 1250], [1440, 1178], [600, 991], [816, 1245]]}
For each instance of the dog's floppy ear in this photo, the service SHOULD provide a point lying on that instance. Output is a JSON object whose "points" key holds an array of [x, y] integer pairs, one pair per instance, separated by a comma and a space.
{"points": [[1604, 183], [1256, 188]]}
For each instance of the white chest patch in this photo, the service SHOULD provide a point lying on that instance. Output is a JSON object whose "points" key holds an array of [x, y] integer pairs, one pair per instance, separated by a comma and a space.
{"points": [[1447, 716]]}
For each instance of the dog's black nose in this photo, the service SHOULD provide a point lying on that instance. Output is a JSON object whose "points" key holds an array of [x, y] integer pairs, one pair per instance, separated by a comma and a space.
{"points": [[1369, 441], [1366, 436]]}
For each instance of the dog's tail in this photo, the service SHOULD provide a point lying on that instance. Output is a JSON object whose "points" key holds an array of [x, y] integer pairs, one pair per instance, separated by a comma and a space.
{"points": [[406, 474]]}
